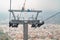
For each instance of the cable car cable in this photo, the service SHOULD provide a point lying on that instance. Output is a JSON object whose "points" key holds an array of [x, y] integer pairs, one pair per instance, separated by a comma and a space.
{"points": [[51, 16]]}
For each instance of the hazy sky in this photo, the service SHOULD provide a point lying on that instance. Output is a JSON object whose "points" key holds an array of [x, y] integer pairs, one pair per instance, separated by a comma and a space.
{"points": [[34, 4], [47, 6]]}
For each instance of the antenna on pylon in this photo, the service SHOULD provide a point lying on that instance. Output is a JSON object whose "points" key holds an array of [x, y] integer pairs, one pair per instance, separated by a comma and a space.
{"points": [[23, 7]]}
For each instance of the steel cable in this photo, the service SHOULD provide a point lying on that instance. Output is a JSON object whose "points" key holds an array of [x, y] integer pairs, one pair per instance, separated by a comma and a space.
{"points": [[51, 16]]}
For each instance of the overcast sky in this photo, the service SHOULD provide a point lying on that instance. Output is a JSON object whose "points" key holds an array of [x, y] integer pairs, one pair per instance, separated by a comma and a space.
{"points": [[47, 6], [34, 4]]}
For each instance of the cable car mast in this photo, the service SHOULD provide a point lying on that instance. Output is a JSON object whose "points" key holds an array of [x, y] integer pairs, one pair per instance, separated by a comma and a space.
{"points": [[14, 22]]}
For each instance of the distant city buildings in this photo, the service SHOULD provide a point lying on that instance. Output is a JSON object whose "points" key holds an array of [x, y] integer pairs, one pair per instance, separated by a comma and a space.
{"points": [[50, 32]]}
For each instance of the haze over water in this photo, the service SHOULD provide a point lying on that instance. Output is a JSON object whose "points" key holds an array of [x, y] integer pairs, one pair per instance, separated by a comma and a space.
{"points": [[48, 7]]}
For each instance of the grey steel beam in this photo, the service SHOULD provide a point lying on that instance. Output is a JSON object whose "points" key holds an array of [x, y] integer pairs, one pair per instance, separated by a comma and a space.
{"points": [[13, 15], [25, 10], [37, 16], [22, 21], [25, 31]]}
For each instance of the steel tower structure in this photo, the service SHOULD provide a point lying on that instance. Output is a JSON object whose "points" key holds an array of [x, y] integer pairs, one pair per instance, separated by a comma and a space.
{"points": [[35, 23]]}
